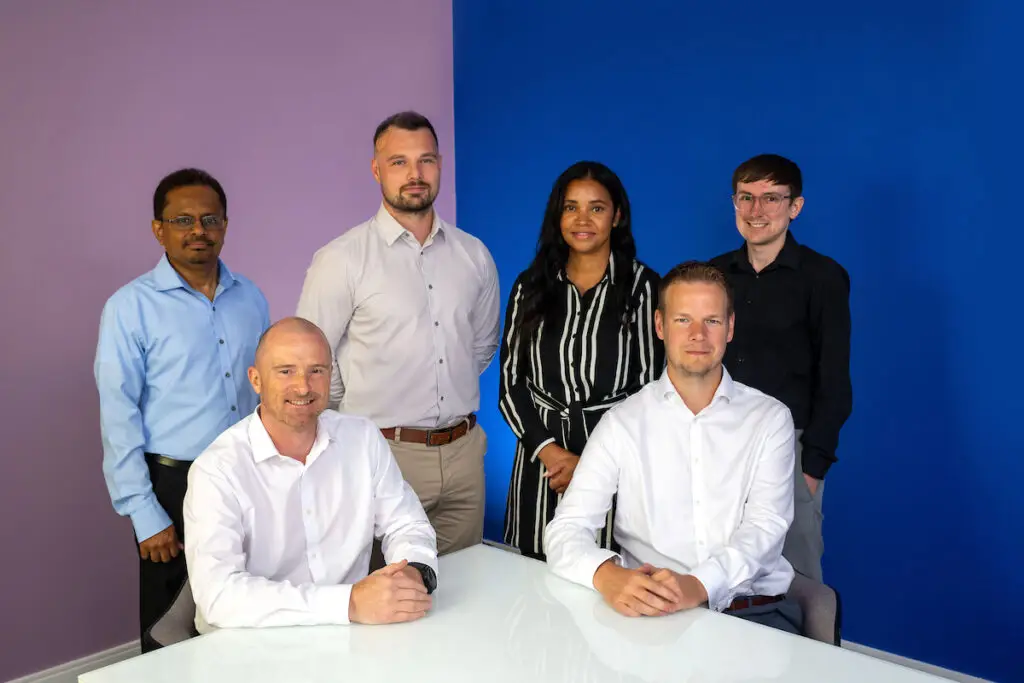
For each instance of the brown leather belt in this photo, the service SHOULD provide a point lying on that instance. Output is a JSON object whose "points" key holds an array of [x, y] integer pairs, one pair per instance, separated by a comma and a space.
{"points": [[753, 601], [430, 437]]}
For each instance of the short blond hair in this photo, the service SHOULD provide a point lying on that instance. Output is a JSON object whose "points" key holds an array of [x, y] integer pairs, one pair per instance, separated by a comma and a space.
{"points": [[694, 271]]}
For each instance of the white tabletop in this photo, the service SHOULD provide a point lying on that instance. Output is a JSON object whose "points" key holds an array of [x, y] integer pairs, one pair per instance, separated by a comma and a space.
{"points": [[500, 617]]}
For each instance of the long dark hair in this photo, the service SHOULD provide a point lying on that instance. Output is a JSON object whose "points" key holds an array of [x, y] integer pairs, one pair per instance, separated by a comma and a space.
{"points": [[540, 281]]}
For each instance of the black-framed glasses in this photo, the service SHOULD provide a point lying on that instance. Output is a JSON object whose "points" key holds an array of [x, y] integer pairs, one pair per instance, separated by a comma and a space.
{"points": [[770, 201], [209, 222]]}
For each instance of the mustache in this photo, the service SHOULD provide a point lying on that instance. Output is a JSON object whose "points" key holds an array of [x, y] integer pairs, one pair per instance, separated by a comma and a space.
{"points": [[416, 186], [201, 240]]}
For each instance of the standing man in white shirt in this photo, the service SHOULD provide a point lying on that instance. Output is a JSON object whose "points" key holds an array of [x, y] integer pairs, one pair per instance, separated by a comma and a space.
{"points": [[282, 508], [703, 468], [409, 305]]}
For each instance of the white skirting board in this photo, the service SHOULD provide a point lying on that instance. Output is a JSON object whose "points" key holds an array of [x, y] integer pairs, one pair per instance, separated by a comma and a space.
{"points": [[70, 671], [913, 663]]}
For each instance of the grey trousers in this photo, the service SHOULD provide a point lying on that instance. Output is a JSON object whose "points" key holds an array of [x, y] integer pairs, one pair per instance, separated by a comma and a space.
{"points": [[785, 615], [804, 543]]}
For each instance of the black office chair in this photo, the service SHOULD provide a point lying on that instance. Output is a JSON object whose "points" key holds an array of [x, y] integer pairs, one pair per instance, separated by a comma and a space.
{"points": [[178, 623], [822, 608]]}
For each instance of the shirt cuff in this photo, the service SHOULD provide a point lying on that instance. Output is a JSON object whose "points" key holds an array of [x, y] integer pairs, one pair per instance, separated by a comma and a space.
{"points": [[332, 604], [715, 582], [815, 462], [149, 520], [586, 566], [424, 557], [537, 450]]}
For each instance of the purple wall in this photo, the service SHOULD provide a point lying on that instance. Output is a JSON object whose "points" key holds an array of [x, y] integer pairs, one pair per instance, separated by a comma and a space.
{"points": [[99, 100]]}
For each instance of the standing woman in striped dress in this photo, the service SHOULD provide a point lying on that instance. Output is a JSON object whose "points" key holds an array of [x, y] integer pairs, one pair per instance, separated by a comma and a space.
{"points": [[579, 337]]}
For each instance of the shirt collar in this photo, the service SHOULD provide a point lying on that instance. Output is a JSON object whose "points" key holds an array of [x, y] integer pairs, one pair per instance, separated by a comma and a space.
{"points": [[789, 256], [263, 447], [726, 389], [391, 230], [166, 278]]}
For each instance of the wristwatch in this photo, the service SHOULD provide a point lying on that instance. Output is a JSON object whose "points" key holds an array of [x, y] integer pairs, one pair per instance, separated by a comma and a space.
{"points": [[429, 577]]}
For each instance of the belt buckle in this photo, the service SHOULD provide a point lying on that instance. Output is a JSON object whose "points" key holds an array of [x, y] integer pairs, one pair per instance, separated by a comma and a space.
{"points": [[446, 434]]}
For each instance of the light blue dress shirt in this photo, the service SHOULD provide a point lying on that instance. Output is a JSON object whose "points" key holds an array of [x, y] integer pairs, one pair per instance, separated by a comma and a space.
{"points": [[171, 370]]}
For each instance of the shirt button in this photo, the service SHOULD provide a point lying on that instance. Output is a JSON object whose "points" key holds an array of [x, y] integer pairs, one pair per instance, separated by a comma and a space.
{"points": [[227, 374], [441, 361], [233, 409], [215, 308], [309, 512], [740, 359], [221, 341], [430, 286], [749, 301], [436, 323], [442, 398]]}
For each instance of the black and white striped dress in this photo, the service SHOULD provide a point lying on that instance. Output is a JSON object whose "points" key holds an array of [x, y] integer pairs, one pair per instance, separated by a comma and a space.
{"points": [[557, 386]]}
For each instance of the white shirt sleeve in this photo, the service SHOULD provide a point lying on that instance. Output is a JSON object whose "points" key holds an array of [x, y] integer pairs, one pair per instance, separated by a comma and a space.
{"points": [[487, 316], [398, 516], [226, 595], [754, 548], [570, 540], [327, 301]]}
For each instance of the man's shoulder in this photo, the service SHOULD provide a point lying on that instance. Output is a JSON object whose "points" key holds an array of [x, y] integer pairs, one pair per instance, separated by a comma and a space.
{"points": [[128, 293], [342, 246], [723, 261], [228, 450], [755, 400], [823, 266], [632, 410], [473, 244]]}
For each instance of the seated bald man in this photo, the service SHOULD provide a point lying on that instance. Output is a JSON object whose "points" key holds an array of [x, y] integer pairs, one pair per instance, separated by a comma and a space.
{"points": [[283, 507]]}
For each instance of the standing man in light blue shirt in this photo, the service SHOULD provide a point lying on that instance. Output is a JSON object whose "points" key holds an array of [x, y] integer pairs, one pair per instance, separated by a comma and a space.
{"points": [[174, 347]]}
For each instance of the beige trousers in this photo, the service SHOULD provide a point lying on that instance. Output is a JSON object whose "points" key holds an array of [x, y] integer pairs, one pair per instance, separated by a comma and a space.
{"points": [[449, 481]]}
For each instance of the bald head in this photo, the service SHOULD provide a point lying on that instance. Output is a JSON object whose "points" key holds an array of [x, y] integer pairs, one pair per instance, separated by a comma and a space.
{"points": [[290, 330], [292, 375]]}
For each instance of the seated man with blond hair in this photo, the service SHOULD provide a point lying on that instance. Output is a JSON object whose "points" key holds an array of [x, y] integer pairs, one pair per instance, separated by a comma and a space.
{"points": [[703, 469]]}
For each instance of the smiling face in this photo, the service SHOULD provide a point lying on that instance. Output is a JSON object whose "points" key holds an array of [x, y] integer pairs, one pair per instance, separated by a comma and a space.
{"points": [[588, 217], [764, 211], [292, 375]]}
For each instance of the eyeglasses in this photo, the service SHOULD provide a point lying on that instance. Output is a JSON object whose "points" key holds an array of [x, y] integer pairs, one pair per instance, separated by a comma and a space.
{"points": [[771, 202], [209, 222]]}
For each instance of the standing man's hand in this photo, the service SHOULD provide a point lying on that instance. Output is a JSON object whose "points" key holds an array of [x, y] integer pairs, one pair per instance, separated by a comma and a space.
{"points": [[162, 547], [389, 595], [812, 484]]}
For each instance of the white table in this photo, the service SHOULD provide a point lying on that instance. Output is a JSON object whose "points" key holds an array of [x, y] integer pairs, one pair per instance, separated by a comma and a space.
{"points": [[500, 617]]}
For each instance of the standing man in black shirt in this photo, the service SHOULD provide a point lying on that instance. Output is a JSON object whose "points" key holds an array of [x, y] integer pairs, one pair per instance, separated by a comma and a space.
{"points": [[792, 335]]}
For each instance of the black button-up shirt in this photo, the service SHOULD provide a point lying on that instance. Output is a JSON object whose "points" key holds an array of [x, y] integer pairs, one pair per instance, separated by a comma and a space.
{"points": [[792, 341]]}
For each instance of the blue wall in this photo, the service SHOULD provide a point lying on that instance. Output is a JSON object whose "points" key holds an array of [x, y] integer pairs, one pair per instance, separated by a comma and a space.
{"points": [[901, 119]]}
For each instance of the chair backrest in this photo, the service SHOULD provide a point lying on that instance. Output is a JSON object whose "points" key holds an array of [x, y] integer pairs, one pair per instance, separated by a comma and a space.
{"points": [[178, 622], [822, 608]]}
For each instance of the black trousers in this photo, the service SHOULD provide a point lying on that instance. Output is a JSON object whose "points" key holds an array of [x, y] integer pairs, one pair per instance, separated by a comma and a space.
{"points": [[159, 582]]}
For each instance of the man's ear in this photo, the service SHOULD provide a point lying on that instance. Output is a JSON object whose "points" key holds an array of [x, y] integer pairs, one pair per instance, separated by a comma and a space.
{"points": [[254, 379]]}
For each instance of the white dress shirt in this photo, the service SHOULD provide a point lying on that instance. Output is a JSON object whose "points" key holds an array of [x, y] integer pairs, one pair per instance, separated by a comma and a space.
{"points": [[709, 494], [411, 326], [272, 542]]}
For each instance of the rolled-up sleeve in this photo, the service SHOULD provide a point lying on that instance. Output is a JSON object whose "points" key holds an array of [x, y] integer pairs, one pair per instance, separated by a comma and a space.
{"points": [[570, 540]]}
